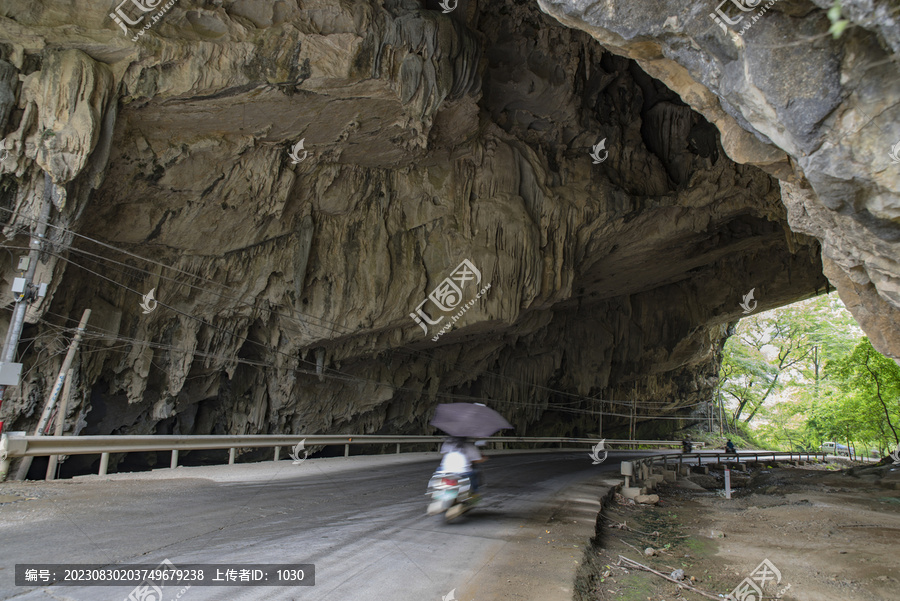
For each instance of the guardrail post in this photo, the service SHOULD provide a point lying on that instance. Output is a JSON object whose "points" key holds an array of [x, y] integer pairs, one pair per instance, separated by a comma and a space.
{"points": [[727, 483], [346, 450], [174, 462], [277, 453], [398, 448], [4, 456], [104, 463], [231, 456]]}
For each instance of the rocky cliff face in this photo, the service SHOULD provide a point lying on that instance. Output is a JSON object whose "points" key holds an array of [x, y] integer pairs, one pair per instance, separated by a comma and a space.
{"points": [[819, 114], [287, 277]]}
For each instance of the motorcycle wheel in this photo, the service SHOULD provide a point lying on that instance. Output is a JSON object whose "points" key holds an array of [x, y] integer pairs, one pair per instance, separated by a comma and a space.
{"points": [[454, 512]]}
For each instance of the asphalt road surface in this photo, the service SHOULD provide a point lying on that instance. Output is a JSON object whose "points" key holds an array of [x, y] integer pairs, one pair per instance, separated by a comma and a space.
{"points": [[361, 521]]}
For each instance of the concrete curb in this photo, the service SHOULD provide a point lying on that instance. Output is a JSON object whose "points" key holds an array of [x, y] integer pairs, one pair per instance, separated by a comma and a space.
{"points": [[541, 559]]}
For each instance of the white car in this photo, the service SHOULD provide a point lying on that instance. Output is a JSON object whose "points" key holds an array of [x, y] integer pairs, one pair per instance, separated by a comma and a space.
{"points": [[833, 448]]}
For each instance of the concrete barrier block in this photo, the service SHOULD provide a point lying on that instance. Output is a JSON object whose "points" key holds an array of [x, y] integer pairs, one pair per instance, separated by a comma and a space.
{"points": [[630, 492]]}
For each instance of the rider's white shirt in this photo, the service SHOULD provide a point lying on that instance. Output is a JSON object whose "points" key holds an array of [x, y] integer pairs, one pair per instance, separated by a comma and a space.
{"points": [[456, 462], [459, 459]]}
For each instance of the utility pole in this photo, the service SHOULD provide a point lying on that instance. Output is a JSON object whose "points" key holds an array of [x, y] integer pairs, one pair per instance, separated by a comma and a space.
{"points": [[60, 423], [602, 406], [54, 394], [633, 412], [18, 317]]}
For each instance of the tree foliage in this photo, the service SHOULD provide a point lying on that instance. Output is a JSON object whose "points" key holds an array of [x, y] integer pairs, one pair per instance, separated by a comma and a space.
{"points": [[804, 374]]}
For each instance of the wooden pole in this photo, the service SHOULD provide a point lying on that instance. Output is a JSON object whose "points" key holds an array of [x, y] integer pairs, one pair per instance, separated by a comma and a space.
{"points": [[54, 394]]}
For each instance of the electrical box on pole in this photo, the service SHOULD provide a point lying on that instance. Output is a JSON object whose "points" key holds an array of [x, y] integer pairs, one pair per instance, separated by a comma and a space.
{"points": [[10, 373]]}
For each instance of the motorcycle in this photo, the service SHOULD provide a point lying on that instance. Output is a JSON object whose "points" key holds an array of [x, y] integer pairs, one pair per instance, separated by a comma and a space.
{"points": [[686, 446], [451, 494]]}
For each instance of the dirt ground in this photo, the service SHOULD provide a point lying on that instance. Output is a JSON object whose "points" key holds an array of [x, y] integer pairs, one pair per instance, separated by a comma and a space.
{"points": [[832, 533]]}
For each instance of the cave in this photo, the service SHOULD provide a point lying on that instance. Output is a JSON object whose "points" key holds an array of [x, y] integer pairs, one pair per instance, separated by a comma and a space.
{"points": [[349, 212]]}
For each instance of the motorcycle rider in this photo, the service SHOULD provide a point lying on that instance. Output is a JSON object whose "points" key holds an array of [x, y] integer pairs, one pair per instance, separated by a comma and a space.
{"points": [[686, 444], [729, 447], [460, 455]]}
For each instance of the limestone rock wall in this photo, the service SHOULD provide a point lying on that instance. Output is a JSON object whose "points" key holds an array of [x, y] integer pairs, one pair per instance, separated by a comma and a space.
{"points": [[285, 289], [778, 86]]}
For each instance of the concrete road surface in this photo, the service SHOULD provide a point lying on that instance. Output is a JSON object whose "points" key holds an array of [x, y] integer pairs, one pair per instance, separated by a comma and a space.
{"points": [[361, 521]]}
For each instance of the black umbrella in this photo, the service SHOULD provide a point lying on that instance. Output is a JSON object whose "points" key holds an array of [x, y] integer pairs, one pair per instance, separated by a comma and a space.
{"points": [[470, 420]]}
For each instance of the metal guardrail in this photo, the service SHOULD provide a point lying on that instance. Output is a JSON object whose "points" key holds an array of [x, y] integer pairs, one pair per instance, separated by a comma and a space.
{"points": [[719, 455], [15, 445]]}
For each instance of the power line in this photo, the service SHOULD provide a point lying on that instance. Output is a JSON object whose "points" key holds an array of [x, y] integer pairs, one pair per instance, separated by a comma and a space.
{"points": [[111, 247], [347, 330], [341, 376]]}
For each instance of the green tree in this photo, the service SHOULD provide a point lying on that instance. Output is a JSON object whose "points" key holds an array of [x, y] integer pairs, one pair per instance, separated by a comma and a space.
{"points": [[781, 356], [765, 351], [868, 394]]}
